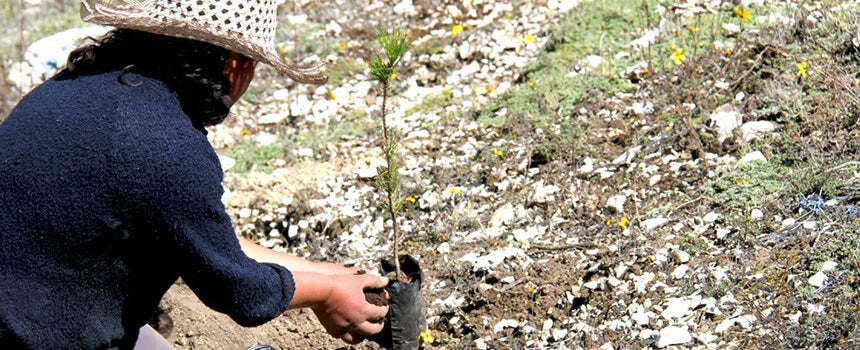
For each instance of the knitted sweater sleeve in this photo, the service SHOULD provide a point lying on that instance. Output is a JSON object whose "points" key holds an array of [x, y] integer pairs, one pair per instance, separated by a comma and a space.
{"points": [[182, 187]]}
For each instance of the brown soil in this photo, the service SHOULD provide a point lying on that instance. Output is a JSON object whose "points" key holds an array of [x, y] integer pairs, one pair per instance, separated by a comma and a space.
{"points": [[196, 326], [376, 296]]}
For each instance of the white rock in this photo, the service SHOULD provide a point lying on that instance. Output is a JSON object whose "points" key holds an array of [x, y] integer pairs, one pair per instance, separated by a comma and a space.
{"points": [[711, 217], [281, 95], [492, 259], [756, 214], [465, 51], [501, 325], [544, 193], [444, 248], [508, 280], [405, 8], [371, 170], [587, 166], [227, 163], [652, 224], [480, 344], [654, 180], [305, 152], [642, 108], [627, 157], [245, 213], [752, 157], [502, 216], [265, 139], [48, 55], [641, 318], [640, 283], [270, 119], [680, 271], [301, 106], [829, 265], [673, 335], [755, 129], [528, 234], [682, 256], [547, 325], [677, 308], [795, 317], [558, 334], [593, 61], [706, 338], [616, 203], [731, 29], [722, 232], [725, 119], [818, 279], [744, 321]]}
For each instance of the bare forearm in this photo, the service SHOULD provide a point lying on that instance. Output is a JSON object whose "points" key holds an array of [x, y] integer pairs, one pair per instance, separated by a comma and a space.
{"points": [[292, 263], [312, 290]]}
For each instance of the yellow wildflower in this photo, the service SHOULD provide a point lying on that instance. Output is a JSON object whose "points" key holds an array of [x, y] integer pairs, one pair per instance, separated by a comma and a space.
{"points": [[393, 76], [498, 153], [531, 290], [742, 181], [671, 46], [343, 45], [668, 127], [454, 190], [490, 90], [608, 220], [530, 39], [427, 337], [409, 199], [447, 91], [692, 29], [456, 29], [245, 132], [331, 95], [623, 223], [602, 25], [728, 52], [531, 85], [678, 56], [801, 68], [742, 13]]}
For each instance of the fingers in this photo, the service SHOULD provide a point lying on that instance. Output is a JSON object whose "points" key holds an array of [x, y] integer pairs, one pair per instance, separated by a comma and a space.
{"points": [[352, 338], [371, 281], [367, 328]]}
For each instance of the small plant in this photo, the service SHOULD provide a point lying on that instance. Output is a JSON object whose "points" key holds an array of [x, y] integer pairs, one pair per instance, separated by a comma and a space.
{"points": [[383, 68]]}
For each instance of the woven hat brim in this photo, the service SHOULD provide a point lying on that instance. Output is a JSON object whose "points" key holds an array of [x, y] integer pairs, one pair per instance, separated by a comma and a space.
{"points": [[120, 17]]}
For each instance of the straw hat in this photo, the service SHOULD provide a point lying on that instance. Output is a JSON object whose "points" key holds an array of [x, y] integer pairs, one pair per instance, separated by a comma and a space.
{"points": [[243, 26]]}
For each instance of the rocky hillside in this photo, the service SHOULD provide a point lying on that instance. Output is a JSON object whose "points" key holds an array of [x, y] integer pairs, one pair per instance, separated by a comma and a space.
{"points": [[633, 174]]}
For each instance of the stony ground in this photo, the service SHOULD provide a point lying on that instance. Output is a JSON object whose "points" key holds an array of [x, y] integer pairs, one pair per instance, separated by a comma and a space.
{"points": [[638, 174]]}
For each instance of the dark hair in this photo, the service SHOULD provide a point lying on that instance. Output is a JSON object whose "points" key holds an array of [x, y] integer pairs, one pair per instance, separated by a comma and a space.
{"points": [[193, 70]]}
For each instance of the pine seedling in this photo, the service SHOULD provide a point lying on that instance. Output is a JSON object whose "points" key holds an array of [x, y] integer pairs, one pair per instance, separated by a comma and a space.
{"points": [[383, 68]]}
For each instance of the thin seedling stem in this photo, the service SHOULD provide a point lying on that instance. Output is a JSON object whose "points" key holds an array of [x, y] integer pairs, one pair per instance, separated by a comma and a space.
{"points": [[389, 154]]}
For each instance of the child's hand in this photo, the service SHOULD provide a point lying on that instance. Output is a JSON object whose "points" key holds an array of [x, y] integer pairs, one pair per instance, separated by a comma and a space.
{"points": [[326, 268], [345, 314]]}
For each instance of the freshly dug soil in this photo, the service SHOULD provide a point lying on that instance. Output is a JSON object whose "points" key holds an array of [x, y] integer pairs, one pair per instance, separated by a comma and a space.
{"points": [[195, 326], [376, 296]]}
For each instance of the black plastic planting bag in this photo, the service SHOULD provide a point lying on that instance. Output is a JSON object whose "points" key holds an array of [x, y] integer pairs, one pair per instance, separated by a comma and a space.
{"points": [[406, 318]]}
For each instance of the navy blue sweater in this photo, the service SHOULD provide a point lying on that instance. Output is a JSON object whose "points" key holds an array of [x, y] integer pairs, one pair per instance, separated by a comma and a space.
{"points": [[107, 195]]}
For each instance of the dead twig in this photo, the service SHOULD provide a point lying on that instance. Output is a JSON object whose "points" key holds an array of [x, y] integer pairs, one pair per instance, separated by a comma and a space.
{"points": [[843, 165], [578, 246]]}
